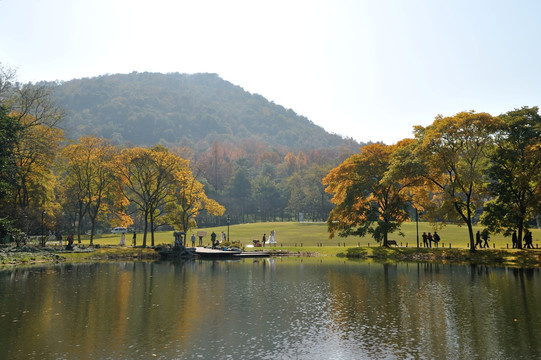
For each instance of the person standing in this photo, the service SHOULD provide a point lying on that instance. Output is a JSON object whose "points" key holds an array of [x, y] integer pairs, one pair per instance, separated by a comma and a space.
{"points": [[429, 238], [134, 239], [123, 239], [69, 246], [213, 239], [425, 240], [264, 239], [193, 240], [272, 237], [436, 238], [514, 239]]}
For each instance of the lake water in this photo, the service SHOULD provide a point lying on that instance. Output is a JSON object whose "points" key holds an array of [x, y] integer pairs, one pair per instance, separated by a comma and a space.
{"points": [[278, 308]]}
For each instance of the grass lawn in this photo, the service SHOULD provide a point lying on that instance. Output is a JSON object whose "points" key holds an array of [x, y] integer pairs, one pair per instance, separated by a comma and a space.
{"points": [[305, 239], [309, 235]]}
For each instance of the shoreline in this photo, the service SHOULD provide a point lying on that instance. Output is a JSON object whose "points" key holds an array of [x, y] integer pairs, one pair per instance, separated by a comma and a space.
{"points": [[11, 256], [507, 257]]}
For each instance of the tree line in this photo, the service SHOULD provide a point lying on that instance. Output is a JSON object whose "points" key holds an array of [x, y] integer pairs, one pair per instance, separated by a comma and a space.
{"points": [[49, 187], [49, 182], [467, 168]]}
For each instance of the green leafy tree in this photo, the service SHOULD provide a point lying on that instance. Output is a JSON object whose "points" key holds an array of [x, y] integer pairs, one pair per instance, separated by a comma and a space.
{"points": [[10, 130], [239, 192], [294, 188], [515, 173], [268, 198], [318, 202], [454, 157]]}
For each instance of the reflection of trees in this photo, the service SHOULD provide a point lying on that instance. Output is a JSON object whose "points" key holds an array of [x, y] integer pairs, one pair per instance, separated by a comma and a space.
{"points": [[524, 336], [384, 311], [433, 309]]}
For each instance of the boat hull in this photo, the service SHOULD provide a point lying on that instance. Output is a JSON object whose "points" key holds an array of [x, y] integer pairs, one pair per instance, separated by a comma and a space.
{"points": [[216, 253], [234, 253]]}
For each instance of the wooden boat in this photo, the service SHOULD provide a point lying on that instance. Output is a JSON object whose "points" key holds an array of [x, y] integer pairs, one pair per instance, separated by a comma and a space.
{"points": [[204, 252], [217, 252], [252, 254]]}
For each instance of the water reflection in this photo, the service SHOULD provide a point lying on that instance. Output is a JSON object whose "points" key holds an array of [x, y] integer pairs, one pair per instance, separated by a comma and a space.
{"points": [[269, 309]]}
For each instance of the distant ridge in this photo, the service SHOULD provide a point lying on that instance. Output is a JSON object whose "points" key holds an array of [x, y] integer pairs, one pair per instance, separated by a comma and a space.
{"points": [[184, 110]]}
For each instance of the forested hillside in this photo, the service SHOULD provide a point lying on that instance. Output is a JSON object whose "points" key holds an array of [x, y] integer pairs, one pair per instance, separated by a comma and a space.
{"points": [[184, 110]]}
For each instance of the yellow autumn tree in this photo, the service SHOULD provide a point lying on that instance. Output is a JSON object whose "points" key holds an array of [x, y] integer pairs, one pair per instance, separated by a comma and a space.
{"points": [[89, 177], [35, 154], [148, 180], [366, 201], [32, 202], [188, 200]]}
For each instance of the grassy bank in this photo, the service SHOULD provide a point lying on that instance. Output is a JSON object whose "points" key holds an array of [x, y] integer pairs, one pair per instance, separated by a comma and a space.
{"points": [[292, 234], [10, 256], [307, 239], [522, 258]]}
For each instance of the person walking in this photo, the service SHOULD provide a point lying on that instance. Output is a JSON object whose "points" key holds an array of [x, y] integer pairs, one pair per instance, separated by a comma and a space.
{"points": [[485, 237], [264, 239], [528, 239], [478, 240], [514, 239]]}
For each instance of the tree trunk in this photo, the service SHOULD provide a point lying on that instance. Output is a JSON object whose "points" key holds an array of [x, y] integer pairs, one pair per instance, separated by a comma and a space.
{"points": [[145, 229], [520, 232], [92, 227], [79, 224], [470, 232], [152, 229]]}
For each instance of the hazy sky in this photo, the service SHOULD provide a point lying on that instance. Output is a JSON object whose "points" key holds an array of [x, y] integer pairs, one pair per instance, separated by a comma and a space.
{"points": [[370, 70]]}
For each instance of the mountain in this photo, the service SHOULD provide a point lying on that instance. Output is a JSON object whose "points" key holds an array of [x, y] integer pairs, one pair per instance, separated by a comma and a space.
{"points": [[185, 110]]}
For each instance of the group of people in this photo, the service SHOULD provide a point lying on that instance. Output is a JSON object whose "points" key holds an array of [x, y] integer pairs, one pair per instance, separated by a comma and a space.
{"points": [[428, 239], [213, 239], [528, 240], [58, 237], [133, 239], [271, 239]]}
